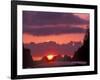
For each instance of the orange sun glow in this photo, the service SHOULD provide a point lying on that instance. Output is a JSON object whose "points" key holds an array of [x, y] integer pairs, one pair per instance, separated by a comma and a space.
{"points": [[50, 57]]}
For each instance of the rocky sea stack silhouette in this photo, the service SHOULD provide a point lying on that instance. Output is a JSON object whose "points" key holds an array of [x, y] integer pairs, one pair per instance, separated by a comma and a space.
{"points": [[27, 58], [82, 54]]}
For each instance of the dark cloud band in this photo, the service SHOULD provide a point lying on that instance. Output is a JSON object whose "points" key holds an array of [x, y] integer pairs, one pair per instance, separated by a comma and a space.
{"points": [[54, 30]]}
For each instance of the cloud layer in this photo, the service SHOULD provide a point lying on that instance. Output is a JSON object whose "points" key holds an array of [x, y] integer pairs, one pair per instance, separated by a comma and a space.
{"points": [[52, 23], [45, 18], [54, 30]]}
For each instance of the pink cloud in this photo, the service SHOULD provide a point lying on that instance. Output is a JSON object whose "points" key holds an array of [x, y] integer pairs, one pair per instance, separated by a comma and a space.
{"points": [[82, 16]]}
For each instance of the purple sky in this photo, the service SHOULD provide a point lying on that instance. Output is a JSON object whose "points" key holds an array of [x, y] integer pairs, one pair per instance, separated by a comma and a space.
{"points": [[49, 23]]}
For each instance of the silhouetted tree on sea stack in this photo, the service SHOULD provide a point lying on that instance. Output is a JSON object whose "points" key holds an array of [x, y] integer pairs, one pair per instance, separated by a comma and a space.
{"points": [[27, 58], [82, 54]]}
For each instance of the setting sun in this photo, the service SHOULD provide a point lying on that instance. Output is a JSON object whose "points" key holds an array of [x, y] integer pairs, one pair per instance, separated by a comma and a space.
{"points": [[50, 57]]}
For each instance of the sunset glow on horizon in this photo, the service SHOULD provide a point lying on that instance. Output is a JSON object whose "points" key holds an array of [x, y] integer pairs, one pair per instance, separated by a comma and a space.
{"points": [[37, 58], [60, 39]]}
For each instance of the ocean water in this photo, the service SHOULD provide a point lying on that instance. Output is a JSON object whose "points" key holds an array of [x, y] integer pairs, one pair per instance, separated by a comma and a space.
{"points": [[60, 64]]}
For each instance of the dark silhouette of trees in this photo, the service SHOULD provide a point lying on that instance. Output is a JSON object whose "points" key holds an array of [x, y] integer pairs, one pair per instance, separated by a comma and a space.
{"points": [[60, 58], [57, 58], [66, 58], [82, 54], [44, 59], [27, 58]]}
